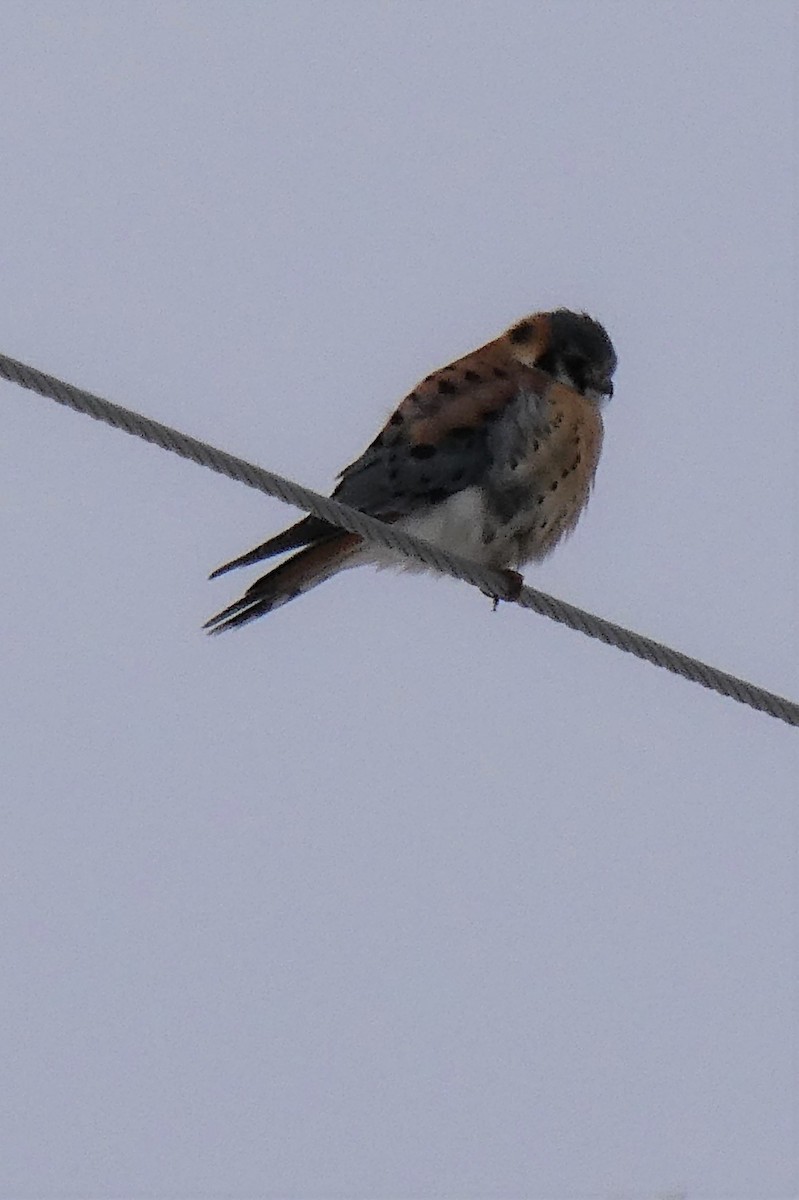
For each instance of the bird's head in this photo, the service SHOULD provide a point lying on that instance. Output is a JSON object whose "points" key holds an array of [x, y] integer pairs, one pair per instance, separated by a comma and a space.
{"points": [[569, 346]]}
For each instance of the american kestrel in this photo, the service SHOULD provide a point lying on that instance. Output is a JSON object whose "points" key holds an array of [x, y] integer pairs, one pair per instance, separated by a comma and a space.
{"points": [[491, 457]]}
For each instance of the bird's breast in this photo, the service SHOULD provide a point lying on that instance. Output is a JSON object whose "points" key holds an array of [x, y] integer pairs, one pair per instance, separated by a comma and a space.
{"points": [[543, 460]]}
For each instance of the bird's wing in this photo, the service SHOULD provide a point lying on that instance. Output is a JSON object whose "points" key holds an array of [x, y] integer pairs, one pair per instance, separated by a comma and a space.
{"points": [[437, 441]]}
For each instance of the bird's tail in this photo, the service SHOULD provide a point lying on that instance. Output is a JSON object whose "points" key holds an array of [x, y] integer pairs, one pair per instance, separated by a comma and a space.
{"points": [[292, 578], [309, 529]]}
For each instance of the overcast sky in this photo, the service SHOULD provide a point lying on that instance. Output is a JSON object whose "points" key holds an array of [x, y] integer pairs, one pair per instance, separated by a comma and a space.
{"points": [[386, 896]]}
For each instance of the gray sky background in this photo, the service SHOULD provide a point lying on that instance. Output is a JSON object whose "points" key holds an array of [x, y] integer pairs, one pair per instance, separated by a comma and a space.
{"points": [[386, 896]]}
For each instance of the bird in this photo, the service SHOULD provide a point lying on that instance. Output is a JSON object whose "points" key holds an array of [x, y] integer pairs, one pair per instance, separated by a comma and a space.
{"points": [[491, 457]]}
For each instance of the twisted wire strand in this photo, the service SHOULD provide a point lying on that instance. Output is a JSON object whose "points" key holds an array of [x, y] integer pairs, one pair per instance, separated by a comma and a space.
{"points": [[493, 583]]}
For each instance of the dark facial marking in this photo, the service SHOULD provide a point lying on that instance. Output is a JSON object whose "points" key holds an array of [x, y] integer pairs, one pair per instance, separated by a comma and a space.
{"points": [[423, 451], [472, 376], [499, 373], [577, 370], [396, 418], [522, 332], [445, 388], [547, 362]]}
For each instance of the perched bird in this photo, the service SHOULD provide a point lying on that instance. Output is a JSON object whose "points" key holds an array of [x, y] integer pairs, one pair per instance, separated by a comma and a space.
{"points": [[491, 457]]}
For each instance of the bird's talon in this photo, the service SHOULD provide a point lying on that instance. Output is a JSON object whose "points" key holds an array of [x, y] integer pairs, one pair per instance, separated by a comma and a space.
{"points": [[514, 582]]}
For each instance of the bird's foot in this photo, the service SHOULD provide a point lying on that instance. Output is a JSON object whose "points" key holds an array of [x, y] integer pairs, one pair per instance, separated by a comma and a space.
{"points": [[514, 582]]}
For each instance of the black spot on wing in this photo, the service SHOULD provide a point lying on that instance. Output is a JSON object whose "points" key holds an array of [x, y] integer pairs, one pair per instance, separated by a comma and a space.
{"points": [[397, 478]]}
